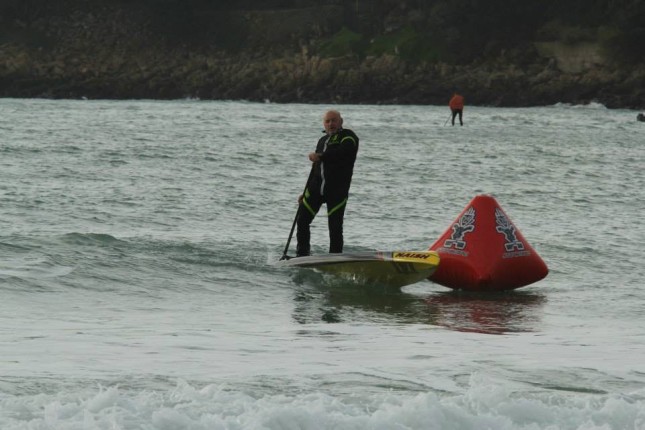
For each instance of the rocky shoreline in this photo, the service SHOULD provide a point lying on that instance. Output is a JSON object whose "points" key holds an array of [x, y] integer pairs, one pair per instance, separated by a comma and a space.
{"points": [[117, 58], [304, 79]]}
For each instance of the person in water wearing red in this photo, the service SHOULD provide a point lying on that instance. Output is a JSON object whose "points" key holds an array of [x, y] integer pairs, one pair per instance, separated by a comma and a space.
{"points": [[329, 182], [457, 107]]}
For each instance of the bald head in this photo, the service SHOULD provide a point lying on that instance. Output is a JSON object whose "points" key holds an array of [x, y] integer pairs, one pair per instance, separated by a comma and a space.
{"points": [[332, 121]]}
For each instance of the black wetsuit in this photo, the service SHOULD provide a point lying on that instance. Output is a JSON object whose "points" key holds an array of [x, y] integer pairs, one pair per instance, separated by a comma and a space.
{"points": [[329, 183]]}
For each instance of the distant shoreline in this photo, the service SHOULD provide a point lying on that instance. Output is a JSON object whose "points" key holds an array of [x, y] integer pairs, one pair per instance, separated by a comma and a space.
{"points": [[307, 79]]}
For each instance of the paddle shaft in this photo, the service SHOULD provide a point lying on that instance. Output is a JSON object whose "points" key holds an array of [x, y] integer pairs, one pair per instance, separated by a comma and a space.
{"points": [[295, 220]]}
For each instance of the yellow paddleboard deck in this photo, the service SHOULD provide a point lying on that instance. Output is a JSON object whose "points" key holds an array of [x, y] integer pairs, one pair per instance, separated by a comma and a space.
{"points": [[391, 268]]}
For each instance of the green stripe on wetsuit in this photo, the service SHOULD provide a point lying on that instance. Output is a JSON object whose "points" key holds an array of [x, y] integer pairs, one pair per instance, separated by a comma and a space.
{"points": [[304, 201], [329, 212], [348, 137], [338, 206]]}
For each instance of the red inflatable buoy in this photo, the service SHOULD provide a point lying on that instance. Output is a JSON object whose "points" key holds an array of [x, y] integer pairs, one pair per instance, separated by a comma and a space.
{"points": [[484, 251]]}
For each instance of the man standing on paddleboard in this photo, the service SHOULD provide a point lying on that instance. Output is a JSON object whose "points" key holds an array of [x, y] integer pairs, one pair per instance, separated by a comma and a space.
{"points": [[329, 182], [456, 105]]}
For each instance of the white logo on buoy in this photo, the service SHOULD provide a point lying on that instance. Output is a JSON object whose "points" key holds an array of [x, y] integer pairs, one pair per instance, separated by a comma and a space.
{"points": [[506, 227], [466, 224]]}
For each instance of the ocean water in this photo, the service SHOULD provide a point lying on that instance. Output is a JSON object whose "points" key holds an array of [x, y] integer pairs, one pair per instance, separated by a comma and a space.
{"points": [[137, 286]]}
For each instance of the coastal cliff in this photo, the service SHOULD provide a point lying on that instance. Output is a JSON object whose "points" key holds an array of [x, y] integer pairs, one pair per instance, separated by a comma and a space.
{"points": [[304, 53]]}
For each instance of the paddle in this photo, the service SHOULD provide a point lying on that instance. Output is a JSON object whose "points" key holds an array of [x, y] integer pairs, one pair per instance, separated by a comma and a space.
{"points": [[295, 220]]}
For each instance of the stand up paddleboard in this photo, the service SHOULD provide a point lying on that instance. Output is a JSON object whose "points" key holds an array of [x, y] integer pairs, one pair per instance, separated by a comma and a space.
{"points": [[391, 268]]}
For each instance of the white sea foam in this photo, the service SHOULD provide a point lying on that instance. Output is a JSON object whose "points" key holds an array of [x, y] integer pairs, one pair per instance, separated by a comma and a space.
{"points": [[484, 404]]}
